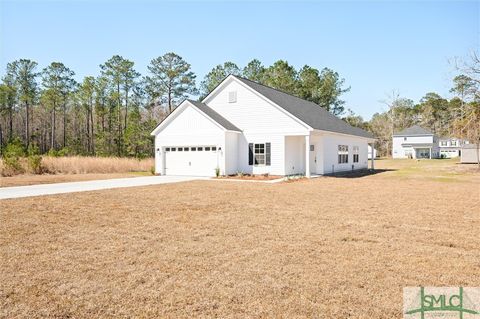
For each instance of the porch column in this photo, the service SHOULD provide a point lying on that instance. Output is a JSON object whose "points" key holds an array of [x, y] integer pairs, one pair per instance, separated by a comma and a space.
{"points": [[307, 155], [430, 153], [372, 145]]}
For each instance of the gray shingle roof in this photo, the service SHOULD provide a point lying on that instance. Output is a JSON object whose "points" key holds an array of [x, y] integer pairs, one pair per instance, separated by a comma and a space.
{"points": [[414, 130], [310, 113], [215, 116]]}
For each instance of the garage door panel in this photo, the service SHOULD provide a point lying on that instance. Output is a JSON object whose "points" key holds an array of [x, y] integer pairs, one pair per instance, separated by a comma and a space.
{"points": [[188, 162]]}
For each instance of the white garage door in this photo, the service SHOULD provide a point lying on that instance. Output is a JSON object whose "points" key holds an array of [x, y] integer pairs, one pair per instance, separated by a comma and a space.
{"points": [[191, 160]]}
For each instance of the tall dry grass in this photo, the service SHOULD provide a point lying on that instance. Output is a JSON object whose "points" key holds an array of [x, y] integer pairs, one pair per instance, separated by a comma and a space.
{"points": [[95, 165]]}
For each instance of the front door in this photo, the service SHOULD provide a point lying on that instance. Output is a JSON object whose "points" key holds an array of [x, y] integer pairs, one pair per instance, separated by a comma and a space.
{"points": [[313, 159]]}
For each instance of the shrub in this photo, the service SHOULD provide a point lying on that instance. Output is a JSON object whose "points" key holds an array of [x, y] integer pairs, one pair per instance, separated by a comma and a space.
{"points": [[217, 172], [35, 164], [152, 170], [64, 152], [34, 159], [53, 153], [11, 158]]}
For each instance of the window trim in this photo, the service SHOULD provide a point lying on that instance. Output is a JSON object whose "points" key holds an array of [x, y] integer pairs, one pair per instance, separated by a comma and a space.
{"points": [[342, 153], [258, 158], [261, 155], [356, 153]]}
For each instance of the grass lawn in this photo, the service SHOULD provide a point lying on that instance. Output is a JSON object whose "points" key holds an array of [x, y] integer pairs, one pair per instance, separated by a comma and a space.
{"points": [[330, 247]]}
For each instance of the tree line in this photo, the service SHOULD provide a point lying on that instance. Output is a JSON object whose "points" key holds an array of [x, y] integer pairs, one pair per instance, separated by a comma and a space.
{"points": [[457, 117], [113, 113]]}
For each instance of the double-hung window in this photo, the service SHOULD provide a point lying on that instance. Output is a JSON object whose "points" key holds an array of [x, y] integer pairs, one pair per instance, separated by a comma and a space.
{"points": [[355, 154], [259, 154], [342, 154]]}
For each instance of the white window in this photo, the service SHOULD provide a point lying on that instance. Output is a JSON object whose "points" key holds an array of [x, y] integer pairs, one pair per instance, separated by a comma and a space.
{"points": [[232, 96], [443, 143], [453, 143], [342, 154], [355, 154], [259, 154]]}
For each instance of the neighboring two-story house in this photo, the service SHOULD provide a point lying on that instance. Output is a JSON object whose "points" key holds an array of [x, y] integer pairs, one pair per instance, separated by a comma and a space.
{"points": [[243, 126], [415, 142], [450, 147]]}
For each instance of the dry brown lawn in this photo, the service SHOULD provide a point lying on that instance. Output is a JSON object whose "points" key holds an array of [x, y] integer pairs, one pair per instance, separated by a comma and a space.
{"points": [[29, 179], [82, 165], [323, 248]]}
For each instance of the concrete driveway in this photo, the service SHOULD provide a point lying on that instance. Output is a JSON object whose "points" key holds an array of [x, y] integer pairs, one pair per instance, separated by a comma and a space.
{"points": [[60, 188]]}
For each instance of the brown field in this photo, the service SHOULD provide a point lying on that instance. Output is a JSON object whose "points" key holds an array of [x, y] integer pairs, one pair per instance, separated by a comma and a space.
{"points": [[78, 168], [90, 165], [331, 247], [29, 179]]}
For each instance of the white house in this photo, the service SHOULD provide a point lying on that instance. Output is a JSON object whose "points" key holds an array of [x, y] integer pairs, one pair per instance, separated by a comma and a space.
{"points": [[243, 126], [450, 147], [415, 142]]}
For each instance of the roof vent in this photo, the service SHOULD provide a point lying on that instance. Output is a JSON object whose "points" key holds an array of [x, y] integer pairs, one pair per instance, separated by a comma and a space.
{"points": [[232, 96]]}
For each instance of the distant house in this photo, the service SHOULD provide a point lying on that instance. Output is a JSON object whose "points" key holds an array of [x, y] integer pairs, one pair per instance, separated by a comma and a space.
{"points": [[450, 147], [415, 142], [244, 126], [469, 154]]}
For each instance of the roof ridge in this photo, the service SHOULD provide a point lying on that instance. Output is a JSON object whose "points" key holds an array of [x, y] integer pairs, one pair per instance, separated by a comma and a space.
{"points": [[278, 90], [302, 109]]}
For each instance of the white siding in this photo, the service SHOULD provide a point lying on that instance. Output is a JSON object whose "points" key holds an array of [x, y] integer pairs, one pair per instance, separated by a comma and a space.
{"points": [[231, 153], [277, 153], [294, 155], [251, 113], [399, 151], [189, 128], [469, 155], [260, 122], [330, 144]]}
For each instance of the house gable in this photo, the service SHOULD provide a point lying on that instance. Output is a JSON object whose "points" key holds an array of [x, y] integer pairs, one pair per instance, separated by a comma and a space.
{"points": [[185, 119], [250, 111]]}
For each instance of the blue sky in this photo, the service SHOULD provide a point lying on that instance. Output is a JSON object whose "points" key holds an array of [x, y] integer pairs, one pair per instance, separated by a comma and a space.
{"points": [[376, 46]]}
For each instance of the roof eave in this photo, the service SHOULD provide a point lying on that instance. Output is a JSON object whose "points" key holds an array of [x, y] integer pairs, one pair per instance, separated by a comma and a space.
{"points": [[372, 139]]}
